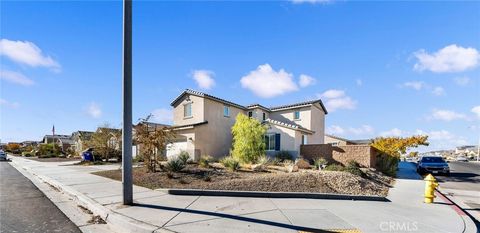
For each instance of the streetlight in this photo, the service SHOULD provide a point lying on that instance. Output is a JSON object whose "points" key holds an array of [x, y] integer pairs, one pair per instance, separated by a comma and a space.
{"points": [[127, 104]]}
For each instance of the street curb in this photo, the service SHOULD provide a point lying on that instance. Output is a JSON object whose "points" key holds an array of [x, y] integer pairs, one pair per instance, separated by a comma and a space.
{"points": [[116, 221], [229, 193], [470, 226]]}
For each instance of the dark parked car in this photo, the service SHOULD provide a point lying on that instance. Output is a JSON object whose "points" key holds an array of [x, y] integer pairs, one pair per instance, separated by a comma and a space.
{"points": [[433, 165]]}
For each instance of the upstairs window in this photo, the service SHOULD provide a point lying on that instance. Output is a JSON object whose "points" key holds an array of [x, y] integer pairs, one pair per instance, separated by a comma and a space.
{"points": [[187, 110], [264, 116], [296, 115], [250, 114], [226, 111]]}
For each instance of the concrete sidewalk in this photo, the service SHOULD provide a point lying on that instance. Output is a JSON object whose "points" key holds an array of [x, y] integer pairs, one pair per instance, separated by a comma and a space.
{"points": [[160, 212]]}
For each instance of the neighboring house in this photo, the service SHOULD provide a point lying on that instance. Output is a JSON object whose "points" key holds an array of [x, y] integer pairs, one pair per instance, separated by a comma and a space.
{"points": [[204, 124], [29, 143], [80, 138], [63, 141], [338, 141], [137, 147]]}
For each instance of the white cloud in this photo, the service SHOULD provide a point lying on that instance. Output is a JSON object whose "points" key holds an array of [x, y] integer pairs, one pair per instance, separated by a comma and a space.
{"points": [[362, 130], [438, 91], [15, 77], [311, 1], [94, 110], [476, 111], [452, 58], [359, 82], [28, 53], [337, 99], [204, 79], [395, 132], [306, 80], [6, 103], [267, 83], [162, 115], [333, 93], [447, 115], [335, 129], [462, 81], [417, 85]]}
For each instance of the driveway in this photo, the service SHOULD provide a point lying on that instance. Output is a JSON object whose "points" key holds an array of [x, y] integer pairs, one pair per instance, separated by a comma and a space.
{"points": [[24, 208]]}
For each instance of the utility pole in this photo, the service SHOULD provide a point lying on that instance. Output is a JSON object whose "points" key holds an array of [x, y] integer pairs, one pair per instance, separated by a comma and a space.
{"points": [[127, 104]]}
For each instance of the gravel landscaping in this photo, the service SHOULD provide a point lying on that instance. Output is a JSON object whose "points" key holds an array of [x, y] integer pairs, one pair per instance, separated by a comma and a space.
{"points": [[272, 180]]}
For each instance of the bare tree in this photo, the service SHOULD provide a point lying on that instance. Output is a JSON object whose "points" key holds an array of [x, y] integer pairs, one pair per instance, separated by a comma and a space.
{"points": [[152, 139], [106, 142]]}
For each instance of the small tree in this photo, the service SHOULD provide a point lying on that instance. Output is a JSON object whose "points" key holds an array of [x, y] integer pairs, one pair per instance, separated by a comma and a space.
{"points": [[153, 140], [105, 141], [392, 148], [248, 139]]}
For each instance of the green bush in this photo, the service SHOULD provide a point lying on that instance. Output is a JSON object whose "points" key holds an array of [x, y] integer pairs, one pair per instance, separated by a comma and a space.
{"points": [[320, 162], [230, 163], [28, 153], [264, 160], [283, 155], [248, 139], [48, 151], [334, 167], [387, 164], [205, 161], [354, 168], [175, 165], [184, 157]]}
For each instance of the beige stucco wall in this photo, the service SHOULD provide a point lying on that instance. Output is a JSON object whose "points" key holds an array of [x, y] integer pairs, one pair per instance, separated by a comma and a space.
{"points": [[258, 113], [317, 124], [290, 140], [197, 111], [330, 140], [216, 136]]}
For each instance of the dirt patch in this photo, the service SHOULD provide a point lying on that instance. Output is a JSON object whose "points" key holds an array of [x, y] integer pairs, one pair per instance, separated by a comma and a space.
{"points": [[311, 181], [96, 220]]}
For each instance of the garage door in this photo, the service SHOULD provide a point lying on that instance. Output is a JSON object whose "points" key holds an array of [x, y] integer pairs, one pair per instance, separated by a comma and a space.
{"points": [[174, 149]]}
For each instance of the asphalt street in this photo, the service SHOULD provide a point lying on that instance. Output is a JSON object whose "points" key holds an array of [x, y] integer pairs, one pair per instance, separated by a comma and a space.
{"points": [[463, 186], [24, 208]]}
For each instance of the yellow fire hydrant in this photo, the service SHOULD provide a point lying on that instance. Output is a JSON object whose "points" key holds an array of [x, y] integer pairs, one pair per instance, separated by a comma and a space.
{"points": [[430, 185]]}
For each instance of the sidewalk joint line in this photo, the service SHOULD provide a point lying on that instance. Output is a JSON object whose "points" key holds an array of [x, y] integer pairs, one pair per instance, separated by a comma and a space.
{"points": [[180, 211]]}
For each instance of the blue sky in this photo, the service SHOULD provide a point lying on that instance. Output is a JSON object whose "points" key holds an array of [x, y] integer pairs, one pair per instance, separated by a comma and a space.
{"points": [[382, 68]]}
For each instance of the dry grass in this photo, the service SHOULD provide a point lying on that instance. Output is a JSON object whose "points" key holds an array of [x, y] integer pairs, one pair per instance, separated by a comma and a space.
{"points": [[194, 177]]}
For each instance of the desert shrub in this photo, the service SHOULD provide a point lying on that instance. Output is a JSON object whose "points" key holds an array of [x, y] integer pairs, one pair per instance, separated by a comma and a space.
{"points": [[263, 160], [320, 162], [283, 155], [175, 165], [184, 157], [387, 164], [205, 161], [230, 163], [354, 168], [28, 153], [207, 177], [48, 151], [334, 167]]}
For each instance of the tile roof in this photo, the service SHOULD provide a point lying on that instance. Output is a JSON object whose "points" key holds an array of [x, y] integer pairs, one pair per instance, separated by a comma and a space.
{"points": [[288, 125], [301, 104], [276, 108]]}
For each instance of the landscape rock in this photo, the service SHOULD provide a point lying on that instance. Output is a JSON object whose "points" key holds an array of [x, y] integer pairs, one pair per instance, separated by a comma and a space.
{"points": [[302, 163]]}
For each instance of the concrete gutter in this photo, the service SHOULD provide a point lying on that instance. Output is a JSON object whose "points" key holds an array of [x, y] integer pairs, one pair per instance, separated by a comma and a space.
{"points": [[116, 221], [229, 193], [469, 224]]}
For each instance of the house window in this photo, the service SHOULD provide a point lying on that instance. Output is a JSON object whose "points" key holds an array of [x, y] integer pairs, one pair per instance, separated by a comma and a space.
{"points": [[187, 110], [304, 140], [250, 114], [226, 111], [264, 116], [296, 115], [272, 142]]}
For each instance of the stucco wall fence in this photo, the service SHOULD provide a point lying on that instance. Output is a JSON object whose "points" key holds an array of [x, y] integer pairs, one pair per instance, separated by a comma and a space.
{"points": [[365, 155]]}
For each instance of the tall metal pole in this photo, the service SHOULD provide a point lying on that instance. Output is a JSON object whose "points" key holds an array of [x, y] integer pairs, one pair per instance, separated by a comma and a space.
{"points": [[127, 104]]}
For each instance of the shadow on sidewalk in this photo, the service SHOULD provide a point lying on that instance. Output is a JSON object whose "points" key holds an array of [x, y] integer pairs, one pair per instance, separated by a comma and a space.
{"points": [[234, 217], [407, 171]]}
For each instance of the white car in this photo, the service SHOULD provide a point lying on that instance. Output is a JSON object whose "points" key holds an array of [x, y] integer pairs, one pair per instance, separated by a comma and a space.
{"points": [[461, 159], [3, 155]]}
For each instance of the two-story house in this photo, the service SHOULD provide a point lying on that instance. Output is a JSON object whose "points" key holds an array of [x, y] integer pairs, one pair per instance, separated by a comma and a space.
{"points": [[204, 123]]}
